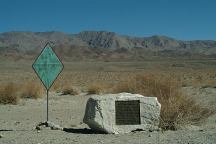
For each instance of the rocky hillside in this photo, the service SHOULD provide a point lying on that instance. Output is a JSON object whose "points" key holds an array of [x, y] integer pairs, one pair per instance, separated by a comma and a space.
{"points": [[99, 43]]}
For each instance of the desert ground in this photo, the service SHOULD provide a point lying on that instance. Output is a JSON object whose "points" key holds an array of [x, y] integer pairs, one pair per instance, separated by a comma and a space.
{"points": [[196, 78]]}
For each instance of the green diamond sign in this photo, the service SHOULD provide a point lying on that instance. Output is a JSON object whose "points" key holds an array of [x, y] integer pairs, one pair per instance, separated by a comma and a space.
{"points": [[47, 66]]}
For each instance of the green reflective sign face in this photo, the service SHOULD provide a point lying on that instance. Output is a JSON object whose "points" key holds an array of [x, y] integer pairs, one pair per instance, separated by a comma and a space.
{"points": [[47, 66]]}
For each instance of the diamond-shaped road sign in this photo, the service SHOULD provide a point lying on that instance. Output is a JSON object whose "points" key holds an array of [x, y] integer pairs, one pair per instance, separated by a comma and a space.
{"points": [[47, 66]]}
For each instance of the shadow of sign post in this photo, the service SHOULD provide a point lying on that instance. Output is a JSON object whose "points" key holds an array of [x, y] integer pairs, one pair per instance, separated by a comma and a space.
{"points": [[47, 66]]}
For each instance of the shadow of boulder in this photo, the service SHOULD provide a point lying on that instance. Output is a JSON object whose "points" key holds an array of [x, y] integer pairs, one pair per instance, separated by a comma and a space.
{"points": [[82, 131]]}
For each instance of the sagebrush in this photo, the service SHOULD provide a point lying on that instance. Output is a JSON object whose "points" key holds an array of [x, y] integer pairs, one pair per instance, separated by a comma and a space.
{"points": [[31, 89], [8, 94], [176, 109], [98, 88], [69, 89]]}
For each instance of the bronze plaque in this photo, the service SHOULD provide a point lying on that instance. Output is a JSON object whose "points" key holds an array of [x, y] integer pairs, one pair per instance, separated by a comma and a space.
{"points": [[127, 112]]}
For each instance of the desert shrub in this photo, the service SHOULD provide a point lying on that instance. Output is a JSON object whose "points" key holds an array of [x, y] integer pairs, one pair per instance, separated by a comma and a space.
{"points": [[125, 86], [56, 87], [31, 89], [8, 94], [68, 89], [176, 108], [97, 89]]}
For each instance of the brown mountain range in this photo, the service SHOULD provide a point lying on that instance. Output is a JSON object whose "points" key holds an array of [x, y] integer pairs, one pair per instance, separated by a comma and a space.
{"points": [[103, 45]]}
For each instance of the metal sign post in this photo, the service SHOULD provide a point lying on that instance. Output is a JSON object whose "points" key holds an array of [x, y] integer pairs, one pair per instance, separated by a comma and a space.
{"points": [[47, 105], [47, 66]]}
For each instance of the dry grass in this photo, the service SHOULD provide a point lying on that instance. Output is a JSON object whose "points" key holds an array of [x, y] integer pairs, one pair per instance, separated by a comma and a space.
{"points": [[31, 89], [68, 89], [8, 94], [98, 88], [176, 108]]}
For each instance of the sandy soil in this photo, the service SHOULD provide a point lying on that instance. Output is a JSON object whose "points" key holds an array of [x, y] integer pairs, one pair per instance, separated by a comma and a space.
{"points": [[17, 124]]}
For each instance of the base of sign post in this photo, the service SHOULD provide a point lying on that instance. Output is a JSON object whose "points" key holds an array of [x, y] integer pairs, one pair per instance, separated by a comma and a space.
{"points": [[47, 124]]}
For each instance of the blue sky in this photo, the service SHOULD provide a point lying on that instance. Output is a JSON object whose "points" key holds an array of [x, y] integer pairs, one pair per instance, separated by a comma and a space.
{"points": [[180, 19]]}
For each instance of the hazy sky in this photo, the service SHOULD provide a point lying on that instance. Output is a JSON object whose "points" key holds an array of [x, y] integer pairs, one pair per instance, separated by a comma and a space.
{"points": [[180, 19]]}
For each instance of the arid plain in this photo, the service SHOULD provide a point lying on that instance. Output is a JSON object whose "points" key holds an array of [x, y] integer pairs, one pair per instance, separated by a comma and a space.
{"points": [[186, 89]]}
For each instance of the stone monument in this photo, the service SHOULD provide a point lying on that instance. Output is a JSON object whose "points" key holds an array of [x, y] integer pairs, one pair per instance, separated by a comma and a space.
{"points": [[122, 113]]}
